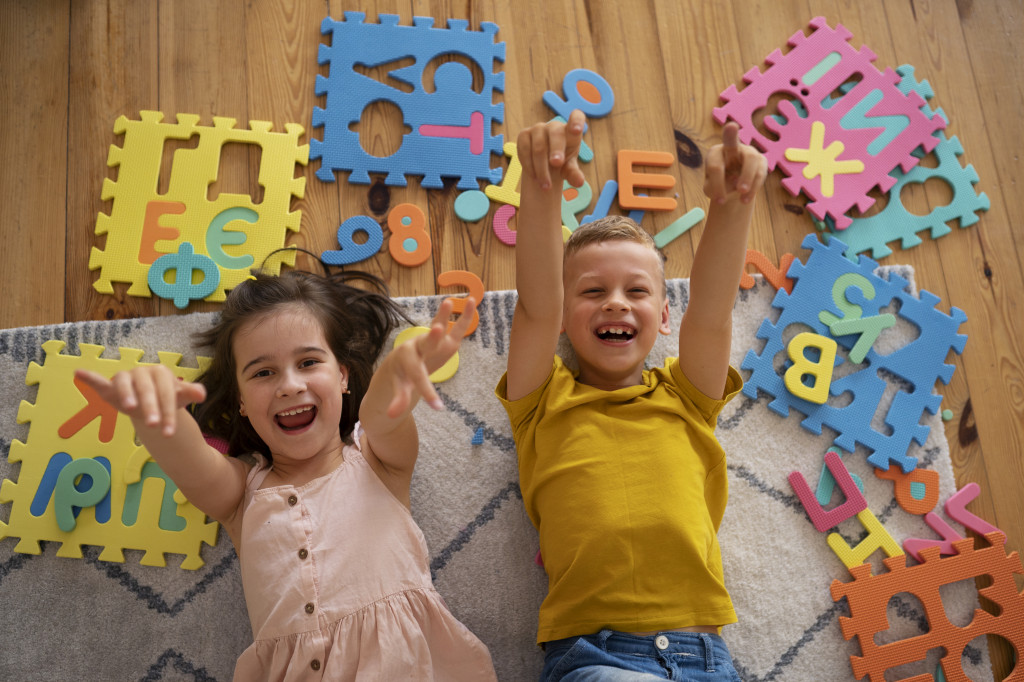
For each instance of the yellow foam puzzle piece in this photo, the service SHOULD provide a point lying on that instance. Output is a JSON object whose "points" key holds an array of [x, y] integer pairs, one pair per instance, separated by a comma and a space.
{"points": [[58, 400], [231, 229]]}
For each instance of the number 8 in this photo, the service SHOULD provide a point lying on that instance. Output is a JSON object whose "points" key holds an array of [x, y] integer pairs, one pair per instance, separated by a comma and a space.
{"points": [[408, 229]]}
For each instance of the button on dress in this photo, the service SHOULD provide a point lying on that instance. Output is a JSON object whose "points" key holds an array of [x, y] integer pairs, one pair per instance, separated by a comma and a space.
{"points": [[337, 585]]}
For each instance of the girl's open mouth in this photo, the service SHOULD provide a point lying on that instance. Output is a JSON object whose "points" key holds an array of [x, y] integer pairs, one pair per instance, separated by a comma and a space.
{"points": [[297, 418]]}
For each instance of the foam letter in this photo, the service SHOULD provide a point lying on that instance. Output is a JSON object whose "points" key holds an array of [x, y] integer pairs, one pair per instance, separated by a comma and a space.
{"points": [[823, 520], [153, 231], [629, 180], [476, 290], [878, 538], [820, 371], [96, 407]]}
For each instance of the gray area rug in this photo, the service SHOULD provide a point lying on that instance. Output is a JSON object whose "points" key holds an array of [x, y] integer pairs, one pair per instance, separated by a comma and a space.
{"points": [[90, 619]]}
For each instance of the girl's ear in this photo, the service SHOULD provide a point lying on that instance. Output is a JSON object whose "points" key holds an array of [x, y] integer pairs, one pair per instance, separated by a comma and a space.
{"points": [[343, 372], [241, 409]]}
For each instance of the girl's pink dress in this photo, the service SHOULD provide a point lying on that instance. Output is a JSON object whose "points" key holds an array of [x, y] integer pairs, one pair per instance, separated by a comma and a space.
{"points": [[337, 584]]}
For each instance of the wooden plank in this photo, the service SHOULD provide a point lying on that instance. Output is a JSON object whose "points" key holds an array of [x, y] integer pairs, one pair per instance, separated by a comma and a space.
{"points": [[630, 58], [991, 32], [113, 73], [34, 115]]}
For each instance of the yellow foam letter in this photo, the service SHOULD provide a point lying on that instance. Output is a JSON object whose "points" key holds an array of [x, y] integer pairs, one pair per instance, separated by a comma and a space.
{"points": [[821, 370]]}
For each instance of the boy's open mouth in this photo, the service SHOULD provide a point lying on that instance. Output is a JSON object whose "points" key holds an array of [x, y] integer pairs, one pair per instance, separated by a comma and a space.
{"points": [[615, 332], [296, 418]]}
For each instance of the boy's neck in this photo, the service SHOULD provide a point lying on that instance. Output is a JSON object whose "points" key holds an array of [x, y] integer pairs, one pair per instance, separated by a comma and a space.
{"points": [[607, 381]]}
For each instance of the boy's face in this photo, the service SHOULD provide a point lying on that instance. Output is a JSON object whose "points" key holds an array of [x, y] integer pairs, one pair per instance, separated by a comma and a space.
{"points": [[614, 309]]}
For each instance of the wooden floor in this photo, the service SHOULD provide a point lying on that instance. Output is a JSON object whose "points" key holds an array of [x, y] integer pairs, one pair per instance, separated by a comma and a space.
{"points": [[70, 68]]}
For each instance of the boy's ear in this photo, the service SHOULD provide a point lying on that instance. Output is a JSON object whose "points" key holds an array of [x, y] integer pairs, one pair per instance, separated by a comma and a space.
{"points": [[666, 321]]}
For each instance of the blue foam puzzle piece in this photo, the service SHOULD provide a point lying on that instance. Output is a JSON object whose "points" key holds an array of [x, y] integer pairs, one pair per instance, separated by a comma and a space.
{"points": [[478, 436], [914, 368], [452, 103]]}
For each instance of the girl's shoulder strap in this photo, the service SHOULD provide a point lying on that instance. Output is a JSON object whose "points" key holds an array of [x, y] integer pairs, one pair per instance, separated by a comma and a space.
{"points": [[258, 471]]}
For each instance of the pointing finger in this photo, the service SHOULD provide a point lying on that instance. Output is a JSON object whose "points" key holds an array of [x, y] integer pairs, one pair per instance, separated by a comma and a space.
{"points": [[731, 143]]}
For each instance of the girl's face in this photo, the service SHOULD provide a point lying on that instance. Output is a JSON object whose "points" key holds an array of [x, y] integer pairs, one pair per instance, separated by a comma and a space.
{"points": [[290, 385]]}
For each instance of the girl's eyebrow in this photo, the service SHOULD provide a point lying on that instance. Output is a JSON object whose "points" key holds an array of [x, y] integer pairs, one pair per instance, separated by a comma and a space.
{"points": [[299, 351]]}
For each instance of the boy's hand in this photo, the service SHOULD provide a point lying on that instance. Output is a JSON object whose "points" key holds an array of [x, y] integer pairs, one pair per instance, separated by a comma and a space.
{"points": [[549, 151], [150, 393], [733, 170], [415, 360]]}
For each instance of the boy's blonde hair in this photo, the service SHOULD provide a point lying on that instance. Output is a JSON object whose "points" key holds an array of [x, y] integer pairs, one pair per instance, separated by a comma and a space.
{"points": [[611, 228]]}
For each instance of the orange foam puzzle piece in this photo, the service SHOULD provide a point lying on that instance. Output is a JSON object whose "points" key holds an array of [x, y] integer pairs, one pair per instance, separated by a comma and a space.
{"points": [[868, 596]]}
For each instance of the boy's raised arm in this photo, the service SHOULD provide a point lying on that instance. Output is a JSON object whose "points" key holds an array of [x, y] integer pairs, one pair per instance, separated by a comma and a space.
{"points": [[548, 154], [734, 173]]}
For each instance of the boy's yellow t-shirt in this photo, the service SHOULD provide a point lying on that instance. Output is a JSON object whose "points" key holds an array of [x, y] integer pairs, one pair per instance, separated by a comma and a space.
{"points": [[627, 489]]}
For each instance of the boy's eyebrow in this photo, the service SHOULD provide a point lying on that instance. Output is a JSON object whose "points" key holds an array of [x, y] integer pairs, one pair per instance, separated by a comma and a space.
{"points": [[263, 358]]}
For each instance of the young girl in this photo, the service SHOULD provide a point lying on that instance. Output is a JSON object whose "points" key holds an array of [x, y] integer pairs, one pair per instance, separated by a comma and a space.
{"points": [[315, 494]]}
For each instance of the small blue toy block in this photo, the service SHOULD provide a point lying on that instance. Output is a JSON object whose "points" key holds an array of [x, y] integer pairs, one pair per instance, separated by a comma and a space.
{"points": [[478, 436], [821, 287], [451, 123]]}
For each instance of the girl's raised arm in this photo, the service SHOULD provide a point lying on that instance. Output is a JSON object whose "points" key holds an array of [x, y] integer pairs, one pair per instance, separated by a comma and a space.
{"points": [[155, 400], [385, 414]]}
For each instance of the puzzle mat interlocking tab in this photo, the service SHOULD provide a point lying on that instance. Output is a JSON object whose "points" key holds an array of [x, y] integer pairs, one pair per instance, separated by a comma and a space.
{"points": [[451, 124], [249, 240], [58, 401], [816, 66], [895, 221], [906, 374]]}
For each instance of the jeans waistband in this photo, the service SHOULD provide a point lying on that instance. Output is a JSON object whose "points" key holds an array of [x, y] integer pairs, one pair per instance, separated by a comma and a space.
{"points": [[659, 643]]}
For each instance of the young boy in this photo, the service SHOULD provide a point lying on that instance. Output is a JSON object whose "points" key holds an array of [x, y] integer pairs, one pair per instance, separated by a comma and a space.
{"points": [[619, 467]]}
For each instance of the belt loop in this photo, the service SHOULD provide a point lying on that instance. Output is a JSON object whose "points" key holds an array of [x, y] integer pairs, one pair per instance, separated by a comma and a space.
{"points": [[602, 639], [709, 651]]}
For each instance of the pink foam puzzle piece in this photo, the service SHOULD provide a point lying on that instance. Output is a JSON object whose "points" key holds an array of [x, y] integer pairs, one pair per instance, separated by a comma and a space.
{"points": [[878, 124]]}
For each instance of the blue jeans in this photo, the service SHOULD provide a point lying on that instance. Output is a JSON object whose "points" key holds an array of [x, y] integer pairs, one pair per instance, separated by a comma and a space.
{"points": [[611, 656]]}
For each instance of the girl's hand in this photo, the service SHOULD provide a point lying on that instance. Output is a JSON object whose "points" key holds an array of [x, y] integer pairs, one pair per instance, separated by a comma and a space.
{"points": [[415, 360], [733, 170], [150, 394], [549, 151]]}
